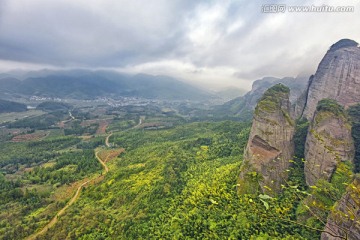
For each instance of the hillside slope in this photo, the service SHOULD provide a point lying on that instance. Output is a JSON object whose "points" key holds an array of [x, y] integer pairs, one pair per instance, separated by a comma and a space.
{"points": [[8, 106]]}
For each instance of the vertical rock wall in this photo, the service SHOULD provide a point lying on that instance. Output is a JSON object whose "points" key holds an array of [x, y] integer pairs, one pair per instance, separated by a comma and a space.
{"points": [[328, 141], [337, 77], [270, 146]]}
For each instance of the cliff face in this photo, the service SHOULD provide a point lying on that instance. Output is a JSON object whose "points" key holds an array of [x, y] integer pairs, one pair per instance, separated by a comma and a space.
{"points": [[328, 141], [299, 105], [270, 145], [337, 77], [344, 221]]}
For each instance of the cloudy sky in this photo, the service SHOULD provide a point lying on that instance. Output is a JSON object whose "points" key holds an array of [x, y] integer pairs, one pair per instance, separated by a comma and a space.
{"points": [[209, 43]]}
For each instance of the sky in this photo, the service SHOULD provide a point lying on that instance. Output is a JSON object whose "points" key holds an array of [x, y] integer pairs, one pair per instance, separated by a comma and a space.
{"points": [[213, 44]]}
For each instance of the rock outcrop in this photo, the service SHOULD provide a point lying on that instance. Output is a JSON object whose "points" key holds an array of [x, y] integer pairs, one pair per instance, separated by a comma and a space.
{"points": [[270, 146], [328, 141], [337, 77], [343, 222], [296, 86], [245, 105]]}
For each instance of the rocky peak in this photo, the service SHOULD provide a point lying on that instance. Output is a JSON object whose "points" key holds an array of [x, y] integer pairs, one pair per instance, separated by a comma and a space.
{"points": [[328, 141], [296, 85], [337, 77], [343, 43], [270, 145]]}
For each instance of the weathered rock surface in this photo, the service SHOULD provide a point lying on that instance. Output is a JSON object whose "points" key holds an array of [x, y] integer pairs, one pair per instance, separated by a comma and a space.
{"points": [[337, 77], [328, 141], [300, 103], [344, 221], [270, 145]]}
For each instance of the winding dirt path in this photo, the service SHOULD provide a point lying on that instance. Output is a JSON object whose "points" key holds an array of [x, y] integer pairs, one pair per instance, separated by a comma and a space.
{"points": [[61, 212], [74, 198]]}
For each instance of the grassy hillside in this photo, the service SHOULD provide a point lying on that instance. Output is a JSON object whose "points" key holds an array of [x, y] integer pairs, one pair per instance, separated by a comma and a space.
{"points": [[36, 178], [8, 106], [53, 106]]}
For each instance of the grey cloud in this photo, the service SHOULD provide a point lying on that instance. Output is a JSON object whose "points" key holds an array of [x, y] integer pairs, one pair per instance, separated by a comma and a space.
{"points": [[61, 32], [206, 35]]}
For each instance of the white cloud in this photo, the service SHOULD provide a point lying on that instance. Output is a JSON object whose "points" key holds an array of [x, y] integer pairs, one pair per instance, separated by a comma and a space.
{"points": [[204, 28]]}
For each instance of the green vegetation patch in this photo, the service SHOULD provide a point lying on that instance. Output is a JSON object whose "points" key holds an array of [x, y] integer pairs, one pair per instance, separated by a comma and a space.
{"points": [[354, 113], [8, 106], [314, 210], [272, 98], [46, 121], [53, 106], [330, 105]]}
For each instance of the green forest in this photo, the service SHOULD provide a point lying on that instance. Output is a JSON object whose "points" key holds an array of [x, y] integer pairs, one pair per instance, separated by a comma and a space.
{"points": [[178, 180], [9, 106]]}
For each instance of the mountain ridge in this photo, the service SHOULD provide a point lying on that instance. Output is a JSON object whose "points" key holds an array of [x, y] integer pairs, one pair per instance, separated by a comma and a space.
{"points": [[84, 84]]}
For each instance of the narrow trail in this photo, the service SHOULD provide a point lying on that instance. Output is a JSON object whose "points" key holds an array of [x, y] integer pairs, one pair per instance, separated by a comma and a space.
{"points": [[107, 140], [62, 123], [61, 212], [74, 198], [141, 119], [101, 162], [72, 117]]}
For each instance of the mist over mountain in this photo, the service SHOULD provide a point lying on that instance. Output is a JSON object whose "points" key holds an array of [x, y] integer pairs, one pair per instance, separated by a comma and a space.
{"points": [[230, 93], [85, 84]]}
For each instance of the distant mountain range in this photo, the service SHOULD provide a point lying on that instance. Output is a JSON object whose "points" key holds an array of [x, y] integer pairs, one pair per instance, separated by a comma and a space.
{"points": [[243, 106], [84, 84]]}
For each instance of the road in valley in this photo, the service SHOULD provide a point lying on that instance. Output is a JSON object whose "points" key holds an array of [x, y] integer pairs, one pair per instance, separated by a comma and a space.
{"points": [[61, 212], [78, 191], [74, 198]]}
